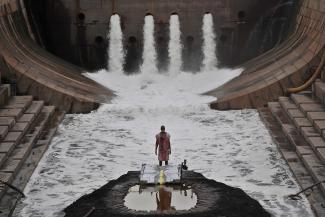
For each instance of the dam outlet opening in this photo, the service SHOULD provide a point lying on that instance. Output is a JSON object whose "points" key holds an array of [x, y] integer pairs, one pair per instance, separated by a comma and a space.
{"points": [[168, 86]]}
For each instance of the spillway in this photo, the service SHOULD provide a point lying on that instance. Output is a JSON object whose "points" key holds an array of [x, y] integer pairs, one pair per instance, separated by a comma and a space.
{"points": [[116, 51], [175, 45], [149, 54], [209, 44], [233, 147]]}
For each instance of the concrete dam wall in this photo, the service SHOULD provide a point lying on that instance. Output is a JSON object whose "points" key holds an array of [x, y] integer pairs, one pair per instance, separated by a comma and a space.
{"points": [[76, 30], [46, 45]]}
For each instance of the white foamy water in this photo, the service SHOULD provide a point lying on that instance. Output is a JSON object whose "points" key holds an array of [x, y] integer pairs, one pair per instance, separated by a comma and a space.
{"points": [[233, 147], [149, 55], [116, 52], [209, 44], [175, 45]]}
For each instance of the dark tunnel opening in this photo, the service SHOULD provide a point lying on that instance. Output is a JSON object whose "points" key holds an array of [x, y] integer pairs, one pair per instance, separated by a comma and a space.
{"points": [[79, 37]]}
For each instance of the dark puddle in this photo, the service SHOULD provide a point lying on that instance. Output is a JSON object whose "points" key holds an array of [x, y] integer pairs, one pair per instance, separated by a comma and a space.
{"points": [[160, 198], [197, 196]]}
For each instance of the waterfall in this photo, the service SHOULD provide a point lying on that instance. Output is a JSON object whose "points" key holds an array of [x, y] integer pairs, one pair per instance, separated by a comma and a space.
{"points": [[175, 45], [149, 54], [116, 52], [209, 44]]}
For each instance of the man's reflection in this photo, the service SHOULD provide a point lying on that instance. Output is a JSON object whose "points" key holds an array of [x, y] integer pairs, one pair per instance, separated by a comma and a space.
{"points": [[164, 200]]}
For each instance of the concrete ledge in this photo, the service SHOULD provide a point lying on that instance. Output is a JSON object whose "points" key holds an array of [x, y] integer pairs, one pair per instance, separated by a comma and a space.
{"points": [[306, 175]]}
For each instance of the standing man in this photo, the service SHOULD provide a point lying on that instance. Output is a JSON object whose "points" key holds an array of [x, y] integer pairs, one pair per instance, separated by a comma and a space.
{"points": [[163, 142]]}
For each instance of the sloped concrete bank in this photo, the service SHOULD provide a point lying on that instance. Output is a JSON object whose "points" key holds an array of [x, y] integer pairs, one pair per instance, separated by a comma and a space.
{"points": [[35, 71], [27, 127], [287, 65]]}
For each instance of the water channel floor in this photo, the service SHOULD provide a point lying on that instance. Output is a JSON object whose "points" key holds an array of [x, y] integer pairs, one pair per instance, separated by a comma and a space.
{"points": [[232, 147]]}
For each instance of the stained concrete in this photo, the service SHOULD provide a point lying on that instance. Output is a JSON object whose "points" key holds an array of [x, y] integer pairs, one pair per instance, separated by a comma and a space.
{"points": [[288, 65], [214, 199], [34, 71], [300, 156], [83, 28]]}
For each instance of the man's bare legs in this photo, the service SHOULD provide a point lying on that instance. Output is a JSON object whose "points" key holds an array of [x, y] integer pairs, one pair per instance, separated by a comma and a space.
{"points": [[160, 163]]}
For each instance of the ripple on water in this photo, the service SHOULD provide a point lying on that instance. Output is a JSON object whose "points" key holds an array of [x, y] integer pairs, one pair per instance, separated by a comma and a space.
{"points": [[232, 147]]}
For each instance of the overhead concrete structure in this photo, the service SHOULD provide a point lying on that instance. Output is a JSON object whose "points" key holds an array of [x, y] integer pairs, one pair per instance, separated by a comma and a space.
{"points": [[76, 30]]}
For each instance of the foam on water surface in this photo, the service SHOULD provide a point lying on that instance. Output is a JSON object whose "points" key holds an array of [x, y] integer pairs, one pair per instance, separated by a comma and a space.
{"points": [[233, 147]]}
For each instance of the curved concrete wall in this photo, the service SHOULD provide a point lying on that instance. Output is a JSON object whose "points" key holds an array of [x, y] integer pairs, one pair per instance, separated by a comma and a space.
{"points": [[287, 65], [83, 27], [39, 73], [55, 81]]}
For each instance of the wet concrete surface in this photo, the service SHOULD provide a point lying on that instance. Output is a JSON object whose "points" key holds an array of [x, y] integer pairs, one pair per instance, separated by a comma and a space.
{"points": [[213, 199], [160, 198]]}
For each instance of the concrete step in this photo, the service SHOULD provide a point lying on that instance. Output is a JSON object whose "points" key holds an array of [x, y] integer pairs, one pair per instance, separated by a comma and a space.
{"points": [[316, 168], [27, 118], [304, 150], [302, 99], [15, 134], [287, 104], [293, 136], [301, 122], [9, 122], [304, 129], [20, 152], [38, 149], [293, 112], [3, 158], [300, 171], [316, 116], [277, 112], [35, 107], [3, 132], [6, 177], [4, 94], [14, 113], [311, 107], [289, 130], [51, 128], [313, 111], [44, 116], [319, 90], [14, 109], [6, 148], [13, 137], [22, 102]]}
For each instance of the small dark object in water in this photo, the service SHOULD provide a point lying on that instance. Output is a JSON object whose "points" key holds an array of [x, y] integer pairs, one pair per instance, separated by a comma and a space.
{"points": [[184, 166]]}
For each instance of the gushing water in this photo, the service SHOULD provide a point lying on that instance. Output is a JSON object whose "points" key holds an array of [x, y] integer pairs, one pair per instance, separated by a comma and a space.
{"points": [[149, 54], [175, 45], [116, 51], [233, 147], [209, 44]]}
